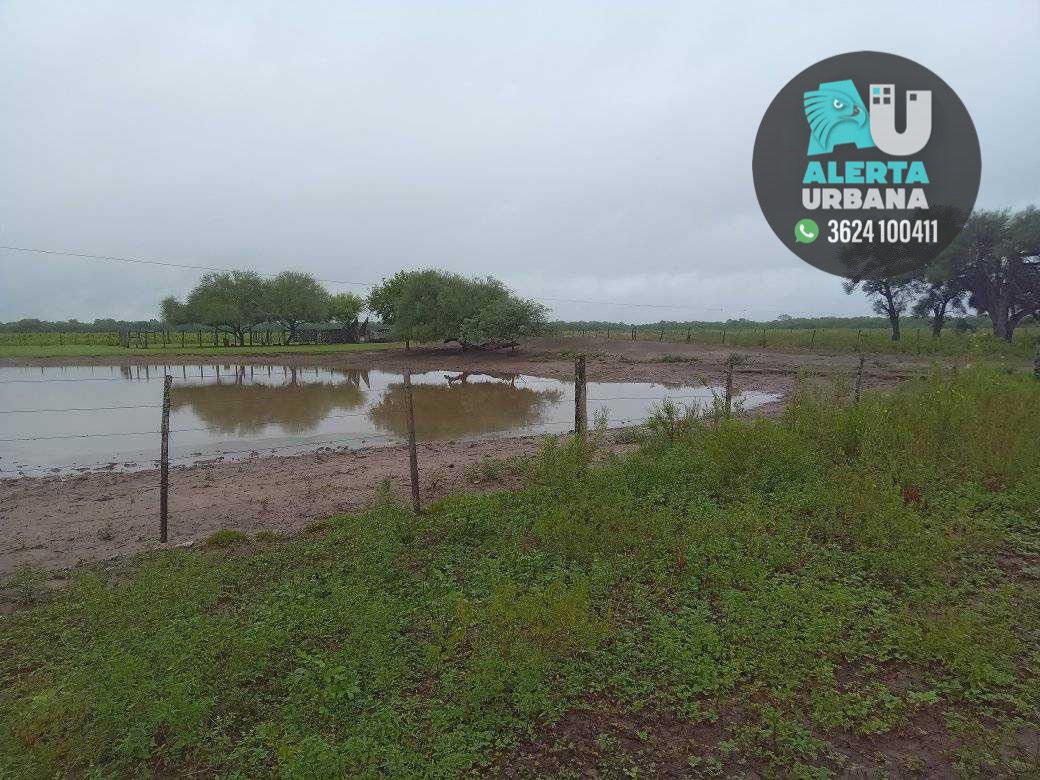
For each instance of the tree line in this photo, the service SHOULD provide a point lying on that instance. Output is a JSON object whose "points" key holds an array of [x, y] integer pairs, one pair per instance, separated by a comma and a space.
{"points": [[993, 267], [424, 305], [101, 325], [783, 322], [236, 303]]}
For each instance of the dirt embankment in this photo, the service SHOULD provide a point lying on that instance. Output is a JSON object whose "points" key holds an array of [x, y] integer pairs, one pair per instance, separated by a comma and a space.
{"points": [[58, 522]]}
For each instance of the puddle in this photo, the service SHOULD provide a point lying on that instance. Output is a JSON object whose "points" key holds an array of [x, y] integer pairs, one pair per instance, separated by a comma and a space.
{"points": [[239, 410]]}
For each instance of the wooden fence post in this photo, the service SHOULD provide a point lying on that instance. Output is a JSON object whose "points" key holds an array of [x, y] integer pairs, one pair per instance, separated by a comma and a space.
{"points": [[164, 461], [581, 419], [723, 335], [729, 388], [859, 379], [812, 339], [413, 455], [633, 334]]}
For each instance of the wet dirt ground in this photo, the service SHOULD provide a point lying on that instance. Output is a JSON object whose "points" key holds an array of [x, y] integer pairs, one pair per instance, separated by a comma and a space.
{"points": [[60, 522]]}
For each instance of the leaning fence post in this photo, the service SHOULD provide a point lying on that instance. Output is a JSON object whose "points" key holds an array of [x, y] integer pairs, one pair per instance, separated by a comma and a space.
{"points": [[859, 378], [581, 419], [413, 456], [164, 461]]}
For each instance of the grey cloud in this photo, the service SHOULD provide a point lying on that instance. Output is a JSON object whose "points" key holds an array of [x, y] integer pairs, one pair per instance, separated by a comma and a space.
{"points": [[575, 150]]}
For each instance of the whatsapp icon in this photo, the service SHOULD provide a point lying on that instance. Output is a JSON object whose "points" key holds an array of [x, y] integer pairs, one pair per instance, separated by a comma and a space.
{"points": [[806, 231]]}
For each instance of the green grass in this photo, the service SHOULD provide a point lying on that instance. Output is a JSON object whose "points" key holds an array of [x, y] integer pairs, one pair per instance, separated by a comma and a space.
{"points": [[914, 341], [226, 537], [807, 590], [104, 350]]}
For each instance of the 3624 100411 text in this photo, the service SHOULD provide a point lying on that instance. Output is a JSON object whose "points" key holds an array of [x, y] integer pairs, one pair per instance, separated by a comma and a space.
{"points": [[883, 231]]}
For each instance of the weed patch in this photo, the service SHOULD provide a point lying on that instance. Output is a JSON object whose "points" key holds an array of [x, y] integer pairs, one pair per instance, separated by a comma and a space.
{"points": [[843, 589]]}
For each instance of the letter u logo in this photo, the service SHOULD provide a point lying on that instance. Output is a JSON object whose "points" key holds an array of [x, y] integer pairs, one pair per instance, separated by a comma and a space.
{"points": [[883, 120]]}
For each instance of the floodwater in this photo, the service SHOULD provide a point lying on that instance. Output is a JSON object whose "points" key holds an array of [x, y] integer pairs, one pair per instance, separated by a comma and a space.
{"points": [[77, 418]]}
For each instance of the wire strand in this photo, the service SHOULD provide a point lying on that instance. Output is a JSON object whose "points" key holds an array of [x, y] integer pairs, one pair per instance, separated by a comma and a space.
{"points": [[168, 264]]}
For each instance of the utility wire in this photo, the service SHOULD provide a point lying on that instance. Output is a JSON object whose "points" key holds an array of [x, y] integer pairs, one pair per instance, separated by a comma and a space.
{"points": [[164, 263], [167, 264]]}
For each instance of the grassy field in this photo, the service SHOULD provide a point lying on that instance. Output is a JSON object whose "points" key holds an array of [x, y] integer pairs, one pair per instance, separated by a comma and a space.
{"points": [[842, 587], [914, 341], [102, 350]]}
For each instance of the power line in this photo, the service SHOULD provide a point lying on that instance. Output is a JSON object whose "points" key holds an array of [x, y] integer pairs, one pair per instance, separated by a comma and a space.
{"points": [[164, 263], [168, 264]]}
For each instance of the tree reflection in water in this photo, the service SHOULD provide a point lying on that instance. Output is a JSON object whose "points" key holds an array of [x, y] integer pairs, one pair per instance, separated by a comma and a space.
{"points": [[462, 408], [236, 405]]}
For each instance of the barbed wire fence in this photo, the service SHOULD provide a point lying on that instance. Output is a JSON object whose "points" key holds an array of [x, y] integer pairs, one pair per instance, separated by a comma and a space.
{"points": [[166, 510]]}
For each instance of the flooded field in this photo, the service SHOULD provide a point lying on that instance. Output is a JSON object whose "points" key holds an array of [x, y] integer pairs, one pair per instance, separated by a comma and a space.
{"points": [[76, 418]]}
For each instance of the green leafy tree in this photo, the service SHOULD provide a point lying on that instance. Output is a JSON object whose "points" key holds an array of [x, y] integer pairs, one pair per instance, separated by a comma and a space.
{"points": [[432, 305], [503, 319], [997, 259], [345, 308], [294, 298], [939, 294], [232, 303], [890, 297], [173, 312]]}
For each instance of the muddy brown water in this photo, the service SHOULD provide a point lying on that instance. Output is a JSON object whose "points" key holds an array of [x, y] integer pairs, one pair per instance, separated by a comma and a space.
{"points": [[60, 419]]}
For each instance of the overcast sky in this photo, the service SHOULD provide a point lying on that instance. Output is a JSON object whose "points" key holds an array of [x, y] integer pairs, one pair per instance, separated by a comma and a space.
{"points": [[591, 151]]}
